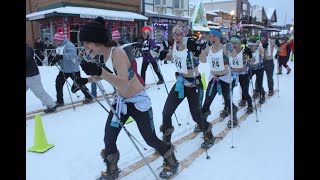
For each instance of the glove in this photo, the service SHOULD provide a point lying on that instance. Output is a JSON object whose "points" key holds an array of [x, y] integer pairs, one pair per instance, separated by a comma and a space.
{"points": [[91, 68], [278, 43], [80, 82], [163, 54], [229, 46], [248, 52], [156, 49], [59, 57], [244, 42], [265, 45], [194, 46]]}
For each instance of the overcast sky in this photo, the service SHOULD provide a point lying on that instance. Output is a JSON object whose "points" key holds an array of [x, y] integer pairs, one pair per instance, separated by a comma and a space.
{"points": [[282, 7]]}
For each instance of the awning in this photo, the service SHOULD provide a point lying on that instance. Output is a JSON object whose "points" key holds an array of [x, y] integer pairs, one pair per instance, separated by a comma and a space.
{"points": [[271, 29], [198, 27], [84, 12]]}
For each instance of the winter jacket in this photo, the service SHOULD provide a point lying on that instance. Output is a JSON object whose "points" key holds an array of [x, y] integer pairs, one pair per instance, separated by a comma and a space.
{"points": [[31, 66], [69, 64]]}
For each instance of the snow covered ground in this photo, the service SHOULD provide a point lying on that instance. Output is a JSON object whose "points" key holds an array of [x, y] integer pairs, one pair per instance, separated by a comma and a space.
{"points": [[262, 150]]}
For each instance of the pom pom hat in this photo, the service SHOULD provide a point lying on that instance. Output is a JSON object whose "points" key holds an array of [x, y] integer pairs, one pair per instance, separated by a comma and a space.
{"points": [[59, 36], [115, 34], [95, 31]]}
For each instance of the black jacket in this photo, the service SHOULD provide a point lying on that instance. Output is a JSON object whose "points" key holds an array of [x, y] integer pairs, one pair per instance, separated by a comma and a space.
{"points": [[31, 66]]}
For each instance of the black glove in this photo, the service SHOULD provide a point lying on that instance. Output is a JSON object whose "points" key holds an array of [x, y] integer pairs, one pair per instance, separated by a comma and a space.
{"points": [[91, 68], [80, 82], [156, 49], [163, 54], [265, 45], [248, 52], [278, 43], [244, 42], [194, 46], [59, 57]]}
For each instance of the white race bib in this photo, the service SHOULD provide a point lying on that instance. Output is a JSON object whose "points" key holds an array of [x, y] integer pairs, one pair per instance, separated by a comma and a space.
{"points": [[180, 60], [256, 57], [236, 62], [215, 60]]}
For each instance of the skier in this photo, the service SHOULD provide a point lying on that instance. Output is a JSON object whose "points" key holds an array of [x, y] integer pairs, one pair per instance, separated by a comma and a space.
{"points": [[185, 85], [240, 71], [268, 45], [257, 65], [130, 99], [219, 79], [146, 46], [283, 55], [33, 81], [66, 54]]}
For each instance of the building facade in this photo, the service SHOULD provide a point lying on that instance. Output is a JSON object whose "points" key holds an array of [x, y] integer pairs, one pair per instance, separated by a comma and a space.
{"points": [[164, 15], [43, 17]]}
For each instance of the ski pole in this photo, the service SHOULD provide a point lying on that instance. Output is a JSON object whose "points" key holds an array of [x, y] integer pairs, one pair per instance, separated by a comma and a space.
{"points": [[179, 124], [198, 97], [67, 87], [278, 81], [153, 74], [254, 100]]}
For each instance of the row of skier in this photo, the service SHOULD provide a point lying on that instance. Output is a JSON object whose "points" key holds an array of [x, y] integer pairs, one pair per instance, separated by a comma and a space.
{"points": [[230, 64]]}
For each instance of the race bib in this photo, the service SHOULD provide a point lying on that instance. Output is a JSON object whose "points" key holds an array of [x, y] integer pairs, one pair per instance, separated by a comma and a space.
{"points": [[180, 60], [216, 63]]}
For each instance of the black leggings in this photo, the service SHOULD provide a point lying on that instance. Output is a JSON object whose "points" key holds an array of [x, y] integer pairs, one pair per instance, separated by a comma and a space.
{"points": [[61, 79], [259, 80], [155, 68], [244, 83], [283, 61], [146, 127], [173, 102], [225, 93]]}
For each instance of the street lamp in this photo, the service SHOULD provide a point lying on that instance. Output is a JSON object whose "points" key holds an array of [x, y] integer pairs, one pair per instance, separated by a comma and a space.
{"points": [[232, 12]]}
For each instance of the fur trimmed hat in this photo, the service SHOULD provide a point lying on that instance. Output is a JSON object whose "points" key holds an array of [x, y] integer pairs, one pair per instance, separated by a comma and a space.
{"points": [[95, 31]]}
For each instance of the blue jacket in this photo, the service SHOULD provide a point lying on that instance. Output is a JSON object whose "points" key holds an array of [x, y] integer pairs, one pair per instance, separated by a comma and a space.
{"points": [[69, 64]]}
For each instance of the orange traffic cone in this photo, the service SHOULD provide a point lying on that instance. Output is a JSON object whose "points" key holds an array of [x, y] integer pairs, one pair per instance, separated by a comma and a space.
{"points": [[40, 140]]}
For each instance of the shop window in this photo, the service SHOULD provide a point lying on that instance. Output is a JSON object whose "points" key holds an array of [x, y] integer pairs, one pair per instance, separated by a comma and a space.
{"points": [[160, 2], [178, 4]]}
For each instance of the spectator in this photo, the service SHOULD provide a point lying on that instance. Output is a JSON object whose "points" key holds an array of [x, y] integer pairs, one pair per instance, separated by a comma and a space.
{"points": [[66, 54], [33, 81]]}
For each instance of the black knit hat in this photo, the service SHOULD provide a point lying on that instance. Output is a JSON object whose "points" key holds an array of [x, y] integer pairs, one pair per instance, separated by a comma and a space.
{"points": [[94, 31]]}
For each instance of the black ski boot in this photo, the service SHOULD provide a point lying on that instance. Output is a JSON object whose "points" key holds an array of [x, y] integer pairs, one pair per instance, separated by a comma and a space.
{"points": [[167, 134], [205, 116], [224, 113], [262, 100], [242, 102], [249, 110], [256, 94], [235, 122], [170, 164], [111, 161], [208, 138], [270, 93], [160, 82]]}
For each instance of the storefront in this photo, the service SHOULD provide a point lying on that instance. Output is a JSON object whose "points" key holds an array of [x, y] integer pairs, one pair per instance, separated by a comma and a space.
{"points": [[71, 20], [162, 26]]}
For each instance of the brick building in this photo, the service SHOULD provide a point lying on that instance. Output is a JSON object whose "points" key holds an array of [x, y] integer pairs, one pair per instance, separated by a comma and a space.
{"points": [[43, 17]]}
